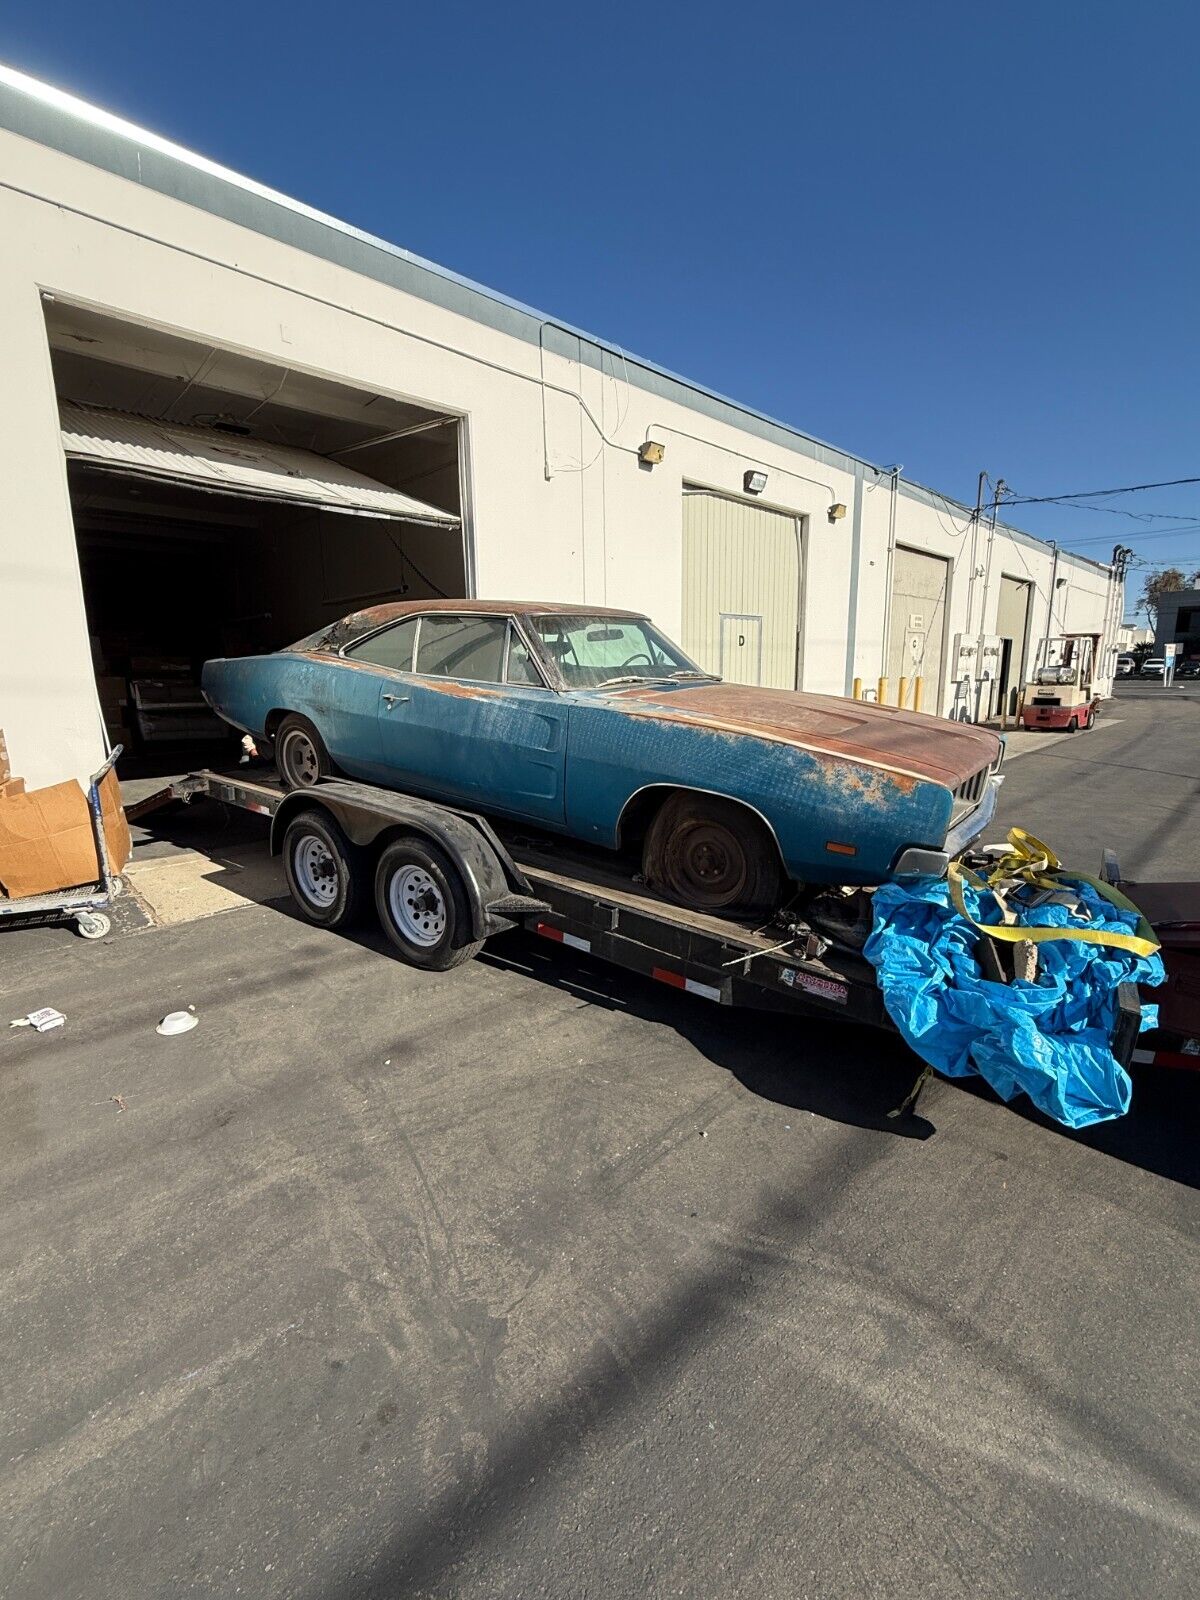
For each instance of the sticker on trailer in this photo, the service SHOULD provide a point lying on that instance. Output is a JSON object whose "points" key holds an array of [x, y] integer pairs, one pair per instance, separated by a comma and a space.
{"points": [[823, 988]]}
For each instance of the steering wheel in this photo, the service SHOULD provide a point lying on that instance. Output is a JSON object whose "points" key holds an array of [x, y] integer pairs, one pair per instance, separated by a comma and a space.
{"points": [[638, 655]]}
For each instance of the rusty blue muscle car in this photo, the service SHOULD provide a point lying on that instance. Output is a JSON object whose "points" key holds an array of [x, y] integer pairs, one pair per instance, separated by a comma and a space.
{"points": [[591, 723]]}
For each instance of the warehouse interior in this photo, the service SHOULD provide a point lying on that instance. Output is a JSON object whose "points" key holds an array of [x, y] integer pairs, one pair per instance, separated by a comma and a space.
{"points": [[224, 505]]}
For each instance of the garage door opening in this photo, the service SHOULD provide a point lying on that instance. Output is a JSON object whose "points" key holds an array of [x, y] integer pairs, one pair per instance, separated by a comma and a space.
{"points": [[226, 506]]}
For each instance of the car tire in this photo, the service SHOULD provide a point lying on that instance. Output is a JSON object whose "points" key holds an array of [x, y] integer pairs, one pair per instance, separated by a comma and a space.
{"points": [[1090, 721], [326, 874], [1073, 725], [423, 906], [712, 855], [301, 758]]}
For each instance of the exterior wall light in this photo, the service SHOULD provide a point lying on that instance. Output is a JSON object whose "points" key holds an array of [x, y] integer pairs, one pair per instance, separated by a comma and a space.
{"points": [[837, 511], [754, 482], [651, 452]]}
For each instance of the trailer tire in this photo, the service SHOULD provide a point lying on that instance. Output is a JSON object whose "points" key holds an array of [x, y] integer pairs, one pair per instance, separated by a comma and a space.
{"points": [[325, 873], [423, 906], [301, 758], [712, 855]]}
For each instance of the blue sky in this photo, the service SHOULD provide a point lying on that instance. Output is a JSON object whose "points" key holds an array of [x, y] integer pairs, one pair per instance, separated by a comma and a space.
{"points": [[949, 235]]}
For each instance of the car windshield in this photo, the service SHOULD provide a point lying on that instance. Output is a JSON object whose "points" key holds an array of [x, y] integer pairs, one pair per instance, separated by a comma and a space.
{"points": [[593, 652]]}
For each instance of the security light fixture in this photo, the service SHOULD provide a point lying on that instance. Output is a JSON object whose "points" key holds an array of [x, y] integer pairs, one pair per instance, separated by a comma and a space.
{"points": [[837, 511], [650, 453], [754, 482]]}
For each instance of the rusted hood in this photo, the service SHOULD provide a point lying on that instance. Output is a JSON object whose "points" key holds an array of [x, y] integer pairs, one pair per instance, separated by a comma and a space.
{"points": [[902, 741]]}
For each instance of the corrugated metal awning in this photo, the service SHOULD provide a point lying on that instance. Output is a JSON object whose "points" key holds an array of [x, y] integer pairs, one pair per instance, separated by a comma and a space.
{"points": [[228, 463]]}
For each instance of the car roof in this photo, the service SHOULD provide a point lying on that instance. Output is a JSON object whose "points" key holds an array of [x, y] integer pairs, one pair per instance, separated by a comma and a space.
{"points": [[337, 635]]}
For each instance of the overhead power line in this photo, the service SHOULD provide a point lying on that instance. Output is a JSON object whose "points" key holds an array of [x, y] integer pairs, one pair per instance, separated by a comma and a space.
{"points": [[1095, 494]]}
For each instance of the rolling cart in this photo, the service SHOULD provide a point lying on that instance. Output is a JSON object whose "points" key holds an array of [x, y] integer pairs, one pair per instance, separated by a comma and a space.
{"points": [[85, 905]]}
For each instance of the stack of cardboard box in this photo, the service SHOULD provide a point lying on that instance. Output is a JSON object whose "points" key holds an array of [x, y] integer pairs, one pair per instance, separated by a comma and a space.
{"points": [[46, 837]]}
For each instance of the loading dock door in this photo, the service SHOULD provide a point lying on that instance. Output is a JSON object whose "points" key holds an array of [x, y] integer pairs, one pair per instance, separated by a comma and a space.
{"points": [[920, 584], [227, 463], [1012, 626], [741, 589]]}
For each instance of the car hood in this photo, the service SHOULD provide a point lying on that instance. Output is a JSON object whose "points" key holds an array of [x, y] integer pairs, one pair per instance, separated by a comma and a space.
{"points": [[907, 742]]}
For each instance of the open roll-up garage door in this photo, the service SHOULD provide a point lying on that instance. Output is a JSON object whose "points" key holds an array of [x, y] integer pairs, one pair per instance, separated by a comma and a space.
{"points": [[226, 463]]}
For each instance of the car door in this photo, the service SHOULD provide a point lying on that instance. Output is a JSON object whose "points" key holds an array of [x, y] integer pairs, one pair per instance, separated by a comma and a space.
{"points": [[475, 722]]}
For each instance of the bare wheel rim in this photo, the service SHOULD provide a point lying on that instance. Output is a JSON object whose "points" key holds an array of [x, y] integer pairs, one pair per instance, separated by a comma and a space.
{"points": [[708, 863], [315, 868], [418, 906], [299, 759]]}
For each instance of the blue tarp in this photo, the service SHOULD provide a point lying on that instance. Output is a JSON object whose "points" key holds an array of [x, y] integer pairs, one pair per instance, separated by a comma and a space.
{"points": [[1048, 1039]]}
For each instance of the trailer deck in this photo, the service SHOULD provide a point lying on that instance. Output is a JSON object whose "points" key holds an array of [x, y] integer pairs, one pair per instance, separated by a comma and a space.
{"points": [[588, 903]]}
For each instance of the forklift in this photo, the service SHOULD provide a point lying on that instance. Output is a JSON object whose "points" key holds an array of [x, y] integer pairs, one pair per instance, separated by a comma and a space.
{"points": [[1062, 692]]}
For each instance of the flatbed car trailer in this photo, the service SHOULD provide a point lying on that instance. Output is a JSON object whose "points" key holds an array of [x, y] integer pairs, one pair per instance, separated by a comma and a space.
{"points": [[583, 900]]}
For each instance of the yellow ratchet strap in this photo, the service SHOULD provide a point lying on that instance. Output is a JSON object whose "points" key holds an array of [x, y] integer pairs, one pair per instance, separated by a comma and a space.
{"points": [[1030, 861]]}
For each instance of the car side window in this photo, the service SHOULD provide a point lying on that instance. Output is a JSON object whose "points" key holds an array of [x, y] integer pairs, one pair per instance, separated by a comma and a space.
{"points": [[521, 666], [391, 648], [462, 647]]}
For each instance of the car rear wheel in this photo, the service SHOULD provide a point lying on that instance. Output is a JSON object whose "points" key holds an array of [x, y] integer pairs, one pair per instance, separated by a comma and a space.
{"points": [[325, 872], [711, 855], [300, 755], [423, 906]]}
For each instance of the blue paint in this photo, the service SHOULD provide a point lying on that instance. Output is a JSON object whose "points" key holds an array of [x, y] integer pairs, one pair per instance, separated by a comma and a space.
{"points": [[571, 761]]}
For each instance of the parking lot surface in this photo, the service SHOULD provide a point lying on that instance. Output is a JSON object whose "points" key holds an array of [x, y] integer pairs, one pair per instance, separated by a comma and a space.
{"points": [[535, 1279]]}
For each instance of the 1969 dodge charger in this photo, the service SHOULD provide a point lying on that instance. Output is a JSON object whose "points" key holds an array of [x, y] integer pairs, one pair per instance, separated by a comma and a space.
{"points": [[590, 723]]}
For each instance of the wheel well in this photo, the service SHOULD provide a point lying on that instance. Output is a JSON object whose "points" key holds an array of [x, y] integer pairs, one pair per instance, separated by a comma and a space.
{"points": [[274, 718], [641, 809]]}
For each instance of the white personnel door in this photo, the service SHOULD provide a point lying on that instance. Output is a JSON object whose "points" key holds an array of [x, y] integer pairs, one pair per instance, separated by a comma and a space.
{"points": [[920, 583], [741, 589]]}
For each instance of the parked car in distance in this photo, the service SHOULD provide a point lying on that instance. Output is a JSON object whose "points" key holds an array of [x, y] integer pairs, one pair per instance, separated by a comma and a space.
{"points": [[591, 723], [1189, 668], [1125, 666], [1153, 667]]}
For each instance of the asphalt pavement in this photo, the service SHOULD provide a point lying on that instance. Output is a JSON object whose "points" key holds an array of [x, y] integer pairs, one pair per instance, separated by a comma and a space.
{"points": [[536, 1279]]}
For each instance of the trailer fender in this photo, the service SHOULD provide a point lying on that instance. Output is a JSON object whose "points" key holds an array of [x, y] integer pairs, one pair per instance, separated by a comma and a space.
{"points": [[496, 890]]}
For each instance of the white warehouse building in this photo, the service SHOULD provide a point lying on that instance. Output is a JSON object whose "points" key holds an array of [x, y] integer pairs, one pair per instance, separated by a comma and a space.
{"points": [[226, 419]]}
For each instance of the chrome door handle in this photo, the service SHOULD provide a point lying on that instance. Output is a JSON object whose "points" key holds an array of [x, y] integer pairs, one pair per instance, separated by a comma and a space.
{"points": [[391, 699]]}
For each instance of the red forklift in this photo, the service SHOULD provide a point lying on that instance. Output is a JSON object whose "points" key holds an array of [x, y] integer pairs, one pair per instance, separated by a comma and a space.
{"points": [[1062, 691]]}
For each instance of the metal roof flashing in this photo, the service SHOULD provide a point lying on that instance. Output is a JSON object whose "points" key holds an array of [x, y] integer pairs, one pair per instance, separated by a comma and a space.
{"points": [[61, 121]]}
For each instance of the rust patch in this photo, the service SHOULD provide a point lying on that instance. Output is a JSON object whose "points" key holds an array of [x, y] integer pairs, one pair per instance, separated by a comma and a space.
{"points": [[460, 691], [907, 744]]}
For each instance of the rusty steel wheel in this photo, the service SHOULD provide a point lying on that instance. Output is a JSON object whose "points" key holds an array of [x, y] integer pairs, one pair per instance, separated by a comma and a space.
{"points": [[300, 757], [712, 855]]}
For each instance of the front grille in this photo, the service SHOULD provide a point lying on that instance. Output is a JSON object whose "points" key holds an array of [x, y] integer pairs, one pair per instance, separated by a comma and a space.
{"points": [[968, 793]]}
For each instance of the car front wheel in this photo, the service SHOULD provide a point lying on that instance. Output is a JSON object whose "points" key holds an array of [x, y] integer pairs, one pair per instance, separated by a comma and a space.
{"points": [[711, 855]]}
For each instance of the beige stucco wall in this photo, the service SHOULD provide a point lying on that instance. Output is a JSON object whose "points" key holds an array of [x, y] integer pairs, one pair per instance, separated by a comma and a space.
{"points": [[558, 506]]}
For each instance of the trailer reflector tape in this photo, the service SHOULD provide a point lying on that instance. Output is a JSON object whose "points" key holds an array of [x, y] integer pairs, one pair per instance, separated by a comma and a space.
{"points": [[677, 981], [263, 811], [561, 936], [1167, 1058]]}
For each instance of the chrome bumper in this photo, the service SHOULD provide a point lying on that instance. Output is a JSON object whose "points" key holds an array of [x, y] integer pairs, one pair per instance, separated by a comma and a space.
{"points": [[918, 863]]}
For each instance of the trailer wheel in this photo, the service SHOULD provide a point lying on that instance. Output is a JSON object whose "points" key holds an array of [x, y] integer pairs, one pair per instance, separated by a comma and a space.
{"points": [[712, 855], [300, 754], [423, 907], [324, 871]]}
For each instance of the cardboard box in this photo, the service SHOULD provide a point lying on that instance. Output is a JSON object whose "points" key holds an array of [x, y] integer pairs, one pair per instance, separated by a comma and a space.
{"points": [[46, 838], [5, 769], [11, 786]]}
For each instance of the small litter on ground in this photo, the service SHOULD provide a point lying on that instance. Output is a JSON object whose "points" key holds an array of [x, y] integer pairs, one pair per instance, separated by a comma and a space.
{"points": [[177, 1022], [42, 1020]]}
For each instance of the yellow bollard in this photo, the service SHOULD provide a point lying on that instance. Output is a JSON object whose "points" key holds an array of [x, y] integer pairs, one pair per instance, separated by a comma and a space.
{"points": [[881, 692], [857, 689], [903, 696], [918, 686]]}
